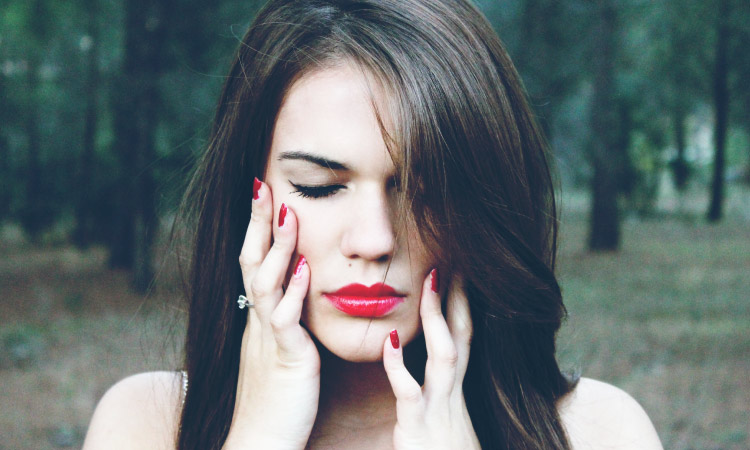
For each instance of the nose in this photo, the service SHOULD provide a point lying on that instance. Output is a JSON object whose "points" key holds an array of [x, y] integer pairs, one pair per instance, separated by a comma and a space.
{"points": [[369, 231]]}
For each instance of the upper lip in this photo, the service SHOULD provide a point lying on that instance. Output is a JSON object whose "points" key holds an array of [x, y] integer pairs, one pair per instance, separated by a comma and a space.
{"points": [[360, 290]]}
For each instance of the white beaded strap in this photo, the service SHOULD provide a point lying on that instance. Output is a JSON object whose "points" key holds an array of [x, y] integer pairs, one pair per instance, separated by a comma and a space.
{"points": [[184, 385]]}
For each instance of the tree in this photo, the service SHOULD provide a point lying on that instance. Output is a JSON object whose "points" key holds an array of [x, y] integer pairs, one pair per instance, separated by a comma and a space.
{"points": [[604, 231], [721, 111], [34, 217], [548, 55], [740, 58], [680, 60], [136, 104], [6, 177], [85, 182]]}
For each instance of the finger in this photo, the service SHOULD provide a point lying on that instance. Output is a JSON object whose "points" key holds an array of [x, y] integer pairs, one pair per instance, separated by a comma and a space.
{"points": [[460, 325], [258, 235], [256, 244], [289, 335], [442, 357], [266, 286], [409, 399]]}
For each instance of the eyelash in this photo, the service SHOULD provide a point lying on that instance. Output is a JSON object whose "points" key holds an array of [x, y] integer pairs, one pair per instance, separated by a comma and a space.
{"points": [[316, 191]]}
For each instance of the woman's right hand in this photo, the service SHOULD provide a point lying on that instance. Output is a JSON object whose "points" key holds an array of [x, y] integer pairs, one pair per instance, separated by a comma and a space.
{"points": [[279, 378]]}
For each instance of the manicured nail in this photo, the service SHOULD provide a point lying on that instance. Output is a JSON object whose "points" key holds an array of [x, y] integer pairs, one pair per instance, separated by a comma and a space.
{"points": [[256, 187], [434, 282], [394, 339], [298, 268], [282, 214]]}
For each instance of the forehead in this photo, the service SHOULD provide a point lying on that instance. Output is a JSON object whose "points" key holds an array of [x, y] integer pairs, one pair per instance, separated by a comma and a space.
{"points": [[332, 112]]}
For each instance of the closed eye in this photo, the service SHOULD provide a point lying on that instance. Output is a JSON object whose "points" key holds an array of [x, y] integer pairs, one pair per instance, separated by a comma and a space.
{"points": [[316, 191]]}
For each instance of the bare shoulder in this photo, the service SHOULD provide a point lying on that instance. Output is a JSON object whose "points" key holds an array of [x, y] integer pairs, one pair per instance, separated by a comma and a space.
{"points": [[599, 415], [140, 411]]}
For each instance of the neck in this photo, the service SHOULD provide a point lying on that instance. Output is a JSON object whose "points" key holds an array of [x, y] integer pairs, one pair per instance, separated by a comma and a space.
{"points": [[356, 399], [354, 395]]}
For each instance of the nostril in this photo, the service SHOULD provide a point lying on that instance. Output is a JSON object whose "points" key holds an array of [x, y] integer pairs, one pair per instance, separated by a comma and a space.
{"points": [[383, 258]]}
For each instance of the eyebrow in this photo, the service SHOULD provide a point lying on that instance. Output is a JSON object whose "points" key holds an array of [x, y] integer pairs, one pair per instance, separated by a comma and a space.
{"points": [[315, 159]]}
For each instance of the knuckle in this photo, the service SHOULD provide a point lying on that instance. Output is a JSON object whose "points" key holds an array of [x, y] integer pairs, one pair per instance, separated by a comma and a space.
{"points": [[466, 335], [449, 357], [434, 312], [391, 365], [256, 217], [278, 324], [412, 394], [283, 242], [463, 333], [246, 261], [258, 289]]}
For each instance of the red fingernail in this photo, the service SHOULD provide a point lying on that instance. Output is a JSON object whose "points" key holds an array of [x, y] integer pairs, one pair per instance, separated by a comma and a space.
{"points": [[298, 269], [282, 214], [434, 282], [256, 187], [394, 339]]}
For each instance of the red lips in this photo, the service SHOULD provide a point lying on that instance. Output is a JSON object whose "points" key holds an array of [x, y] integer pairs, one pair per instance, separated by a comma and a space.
{"points": [[361, 301], [360, 290]]}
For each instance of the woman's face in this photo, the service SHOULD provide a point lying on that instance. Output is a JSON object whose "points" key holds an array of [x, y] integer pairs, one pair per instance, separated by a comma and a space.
{"points": [[329, 163]]}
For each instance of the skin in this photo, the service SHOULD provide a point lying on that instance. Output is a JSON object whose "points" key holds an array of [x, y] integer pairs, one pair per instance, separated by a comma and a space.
{"points": [[347, 236], [364, 397]]}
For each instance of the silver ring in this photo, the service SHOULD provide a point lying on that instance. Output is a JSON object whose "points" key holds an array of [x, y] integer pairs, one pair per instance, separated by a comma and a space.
{"points": [[244, 302]]}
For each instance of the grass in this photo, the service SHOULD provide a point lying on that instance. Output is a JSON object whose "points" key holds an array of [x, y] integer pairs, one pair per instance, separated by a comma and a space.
{"points": [[667, 319], [70, 328]]}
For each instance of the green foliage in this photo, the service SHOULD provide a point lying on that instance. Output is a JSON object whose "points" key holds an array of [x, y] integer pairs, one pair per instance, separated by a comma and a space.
{"points": [[645, 170], [44, 57], [22, 346], [664, 70]]}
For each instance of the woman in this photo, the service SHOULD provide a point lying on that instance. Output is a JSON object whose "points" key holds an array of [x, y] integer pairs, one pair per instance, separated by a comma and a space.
{"points": [[398, 265]]}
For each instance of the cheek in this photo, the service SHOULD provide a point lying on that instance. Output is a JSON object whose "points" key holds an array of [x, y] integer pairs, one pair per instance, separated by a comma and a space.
{"points": [[316, 234], [309, 237], [421, 260]]}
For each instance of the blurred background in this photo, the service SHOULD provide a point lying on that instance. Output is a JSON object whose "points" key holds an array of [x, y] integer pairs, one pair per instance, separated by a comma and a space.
{"points": [[105, 104]]}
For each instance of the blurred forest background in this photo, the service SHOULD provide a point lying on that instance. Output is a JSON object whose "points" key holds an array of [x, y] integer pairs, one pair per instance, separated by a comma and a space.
{"points": [[105, 105]]}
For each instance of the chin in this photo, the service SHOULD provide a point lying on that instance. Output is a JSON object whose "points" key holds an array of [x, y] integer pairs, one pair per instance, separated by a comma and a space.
{"points": [[357, 340], [366, 354]]}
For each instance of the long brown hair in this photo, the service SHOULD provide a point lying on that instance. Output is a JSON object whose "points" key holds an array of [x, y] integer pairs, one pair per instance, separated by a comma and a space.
{"points": [[474, 174]]}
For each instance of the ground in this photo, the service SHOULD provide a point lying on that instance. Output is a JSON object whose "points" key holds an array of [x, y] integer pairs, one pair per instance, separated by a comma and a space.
{"points": [[667, 319]]}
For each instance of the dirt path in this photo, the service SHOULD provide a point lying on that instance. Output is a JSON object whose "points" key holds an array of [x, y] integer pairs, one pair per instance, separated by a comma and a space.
{"points": [[71, 328]]}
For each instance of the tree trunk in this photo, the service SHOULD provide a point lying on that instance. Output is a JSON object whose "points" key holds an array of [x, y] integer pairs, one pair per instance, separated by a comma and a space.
{"points": [[542, 58], [679, 165], [31, 216], [136, 120], [721, 111], [6, 175], [83, 234], [126, 141], [604, 231]]}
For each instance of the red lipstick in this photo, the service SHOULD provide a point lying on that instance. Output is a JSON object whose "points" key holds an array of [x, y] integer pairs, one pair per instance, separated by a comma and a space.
{"points": [[361, 301]]}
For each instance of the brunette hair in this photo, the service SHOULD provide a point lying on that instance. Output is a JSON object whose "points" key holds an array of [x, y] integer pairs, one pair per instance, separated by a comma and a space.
{"points": [[474, 174]]}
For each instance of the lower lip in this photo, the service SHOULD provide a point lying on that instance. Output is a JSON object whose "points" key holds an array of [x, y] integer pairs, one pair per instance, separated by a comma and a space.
{"points": [[364, 306]]}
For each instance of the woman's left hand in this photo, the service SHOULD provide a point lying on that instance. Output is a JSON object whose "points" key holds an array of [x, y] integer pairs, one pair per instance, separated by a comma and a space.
{"points": [[434, 416]]}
